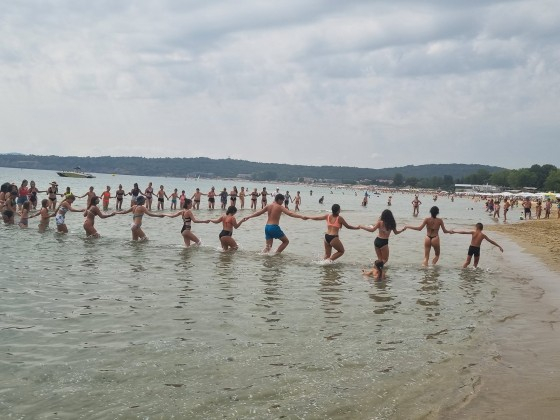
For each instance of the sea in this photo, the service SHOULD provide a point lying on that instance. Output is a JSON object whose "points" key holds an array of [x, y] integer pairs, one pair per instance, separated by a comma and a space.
{"points": [[108, 328]]}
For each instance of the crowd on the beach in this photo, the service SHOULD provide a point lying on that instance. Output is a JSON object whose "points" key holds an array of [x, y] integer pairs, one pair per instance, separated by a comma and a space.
{"points": [[24, 201]]}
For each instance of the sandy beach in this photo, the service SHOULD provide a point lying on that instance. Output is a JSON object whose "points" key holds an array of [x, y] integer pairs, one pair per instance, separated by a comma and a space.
{"points": [[521, 379], [539, 237]]}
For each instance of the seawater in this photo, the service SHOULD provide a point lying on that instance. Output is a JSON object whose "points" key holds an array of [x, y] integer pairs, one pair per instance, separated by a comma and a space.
{"points": [[111, 328]]}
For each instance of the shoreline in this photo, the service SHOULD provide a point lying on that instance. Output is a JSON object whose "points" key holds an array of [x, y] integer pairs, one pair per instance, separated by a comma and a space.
{"points": [[539, 237], [520, 378]]}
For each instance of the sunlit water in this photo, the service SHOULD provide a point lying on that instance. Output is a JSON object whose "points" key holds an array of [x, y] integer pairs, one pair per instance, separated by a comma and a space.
{"points": [[109, 328]]}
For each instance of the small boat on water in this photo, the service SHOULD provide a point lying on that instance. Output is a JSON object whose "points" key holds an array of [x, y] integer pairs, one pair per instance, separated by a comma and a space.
{"points": [[76, 173]]}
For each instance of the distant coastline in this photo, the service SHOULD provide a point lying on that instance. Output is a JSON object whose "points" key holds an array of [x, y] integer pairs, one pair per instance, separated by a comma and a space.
{"points": [[443, 174]]}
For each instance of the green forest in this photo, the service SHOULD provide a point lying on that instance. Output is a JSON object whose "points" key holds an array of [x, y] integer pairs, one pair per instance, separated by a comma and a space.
{"points": [[442, 176]]}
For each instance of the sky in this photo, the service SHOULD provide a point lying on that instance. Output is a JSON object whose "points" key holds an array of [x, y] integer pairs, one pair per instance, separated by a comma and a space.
{"points": [[370, 84]]}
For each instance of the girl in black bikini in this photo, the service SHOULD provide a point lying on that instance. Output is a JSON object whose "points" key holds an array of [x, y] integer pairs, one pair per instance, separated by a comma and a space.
{"points": [[334, 224], [188, 217], [228, 223], [386, 224], [432, 235]]}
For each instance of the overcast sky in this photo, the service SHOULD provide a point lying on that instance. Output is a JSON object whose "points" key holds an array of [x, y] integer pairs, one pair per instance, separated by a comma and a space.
{"points": [[348, 83]]}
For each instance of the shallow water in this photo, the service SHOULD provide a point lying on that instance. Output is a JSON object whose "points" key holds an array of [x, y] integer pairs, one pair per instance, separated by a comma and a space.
{"points": [[107, 328]]}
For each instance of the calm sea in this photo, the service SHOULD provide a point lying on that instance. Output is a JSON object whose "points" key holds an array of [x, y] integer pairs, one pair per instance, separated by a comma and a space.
{"points": [[109, 328]]}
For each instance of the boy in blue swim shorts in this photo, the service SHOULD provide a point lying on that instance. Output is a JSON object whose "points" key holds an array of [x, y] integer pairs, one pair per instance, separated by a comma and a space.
{"points": [[272, 229]]}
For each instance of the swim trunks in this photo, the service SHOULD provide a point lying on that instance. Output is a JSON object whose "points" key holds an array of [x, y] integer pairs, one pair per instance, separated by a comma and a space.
{"points": [[380, 243], [273, 232], [474, 250], [160, 199]]}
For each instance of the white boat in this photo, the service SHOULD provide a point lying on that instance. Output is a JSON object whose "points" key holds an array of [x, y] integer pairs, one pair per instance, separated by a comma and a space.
{"points": [[76, 173]]}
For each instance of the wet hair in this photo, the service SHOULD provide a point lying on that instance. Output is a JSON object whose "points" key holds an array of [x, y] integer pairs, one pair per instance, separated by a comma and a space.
{"points": [[94, 200], [44, 203], [388, 219], [231, 210], [187, 202], [279, 197], [140, 200], [434, 211], [335, 209], [479, 226], [6, 187], [26, 205]]}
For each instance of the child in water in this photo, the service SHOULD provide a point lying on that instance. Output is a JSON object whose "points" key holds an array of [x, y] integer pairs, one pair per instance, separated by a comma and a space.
{"points": [[476, 241], [385, 225]]}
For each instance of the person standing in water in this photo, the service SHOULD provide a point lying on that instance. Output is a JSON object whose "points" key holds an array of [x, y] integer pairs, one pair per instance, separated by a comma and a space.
{"points": [[188, 218], [476, 241], [119, 195], [138, 212], [228, 224], [416, 205], [385, 225], [149, 194], [432, 224], [64, 207], [334, 223], [90, 214], [272, 229]]}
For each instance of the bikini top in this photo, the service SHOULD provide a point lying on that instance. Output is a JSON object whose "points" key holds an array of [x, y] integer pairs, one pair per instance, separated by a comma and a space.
{"points": [[335, 224]]}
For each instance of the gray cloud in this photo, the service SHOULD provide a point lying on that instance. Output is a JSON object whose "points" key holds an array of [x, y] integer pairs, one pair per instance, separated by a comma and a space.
{"points": [[358, 83]]}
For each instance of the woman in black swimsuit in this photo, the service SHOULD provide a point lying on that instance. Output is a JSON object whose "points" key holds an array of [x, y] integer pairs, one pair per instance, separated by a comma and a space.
{"points": [[432, 234], [188, 217], [385, 225], [334, 223]]}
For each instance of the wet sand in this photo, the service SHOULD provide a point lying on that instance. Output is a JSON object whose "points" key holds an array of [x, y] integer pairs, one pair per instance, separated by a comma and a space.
{"points": [[520, 379]]}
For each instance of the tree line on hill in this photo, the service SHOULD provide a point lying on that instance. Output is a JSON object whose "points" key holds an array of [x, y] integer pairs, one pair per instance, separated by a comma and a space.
{"points": [[543, 178], [442, 176]]}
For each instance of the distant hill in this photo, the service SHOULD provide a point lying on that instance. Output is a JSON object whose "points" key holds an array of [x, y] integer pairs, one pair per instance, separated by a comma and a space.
{"points": [[232, 168]]}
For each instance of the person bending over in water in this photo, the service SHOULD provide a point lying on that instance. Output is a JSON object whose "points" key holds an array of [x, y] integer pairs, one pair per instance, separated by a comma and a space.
{"points": [[138, 211], [385, 225], [272, 229], [334, 223], [90, 214], [228, 223], [476, 241], [432, 224], [188, 217]]}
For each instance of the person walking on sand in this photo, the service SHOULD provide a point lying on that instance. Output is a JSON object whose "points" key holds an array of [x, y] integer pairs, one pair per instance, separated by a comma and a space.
{"points": [[506, 208], [90, 214], [272, 229], [527, 207], [334, 223], [385, 225], [432, 224], [188, 218], [547, 207], [476, 241], [228, 224]]}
